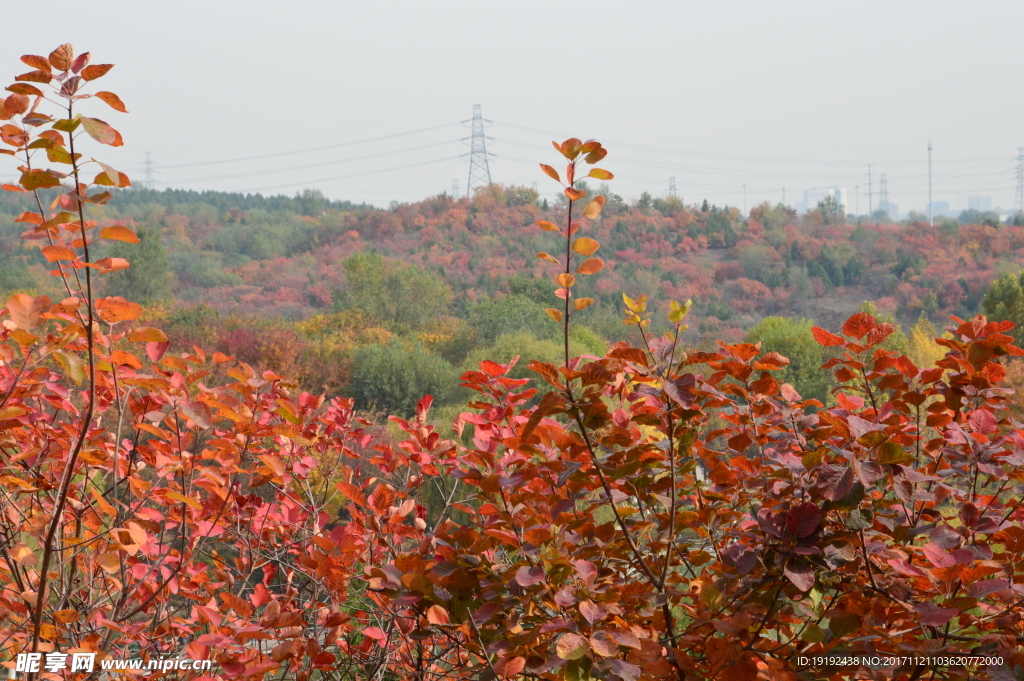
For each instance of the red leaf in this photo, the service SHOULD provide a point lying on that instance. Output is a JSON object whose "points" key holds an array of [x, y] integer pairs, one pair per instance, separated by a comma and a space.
{"points": [[800, 573], [835, 482], [826, 338], [859, 324], [156, 350], [528, 576], [803, 520]]}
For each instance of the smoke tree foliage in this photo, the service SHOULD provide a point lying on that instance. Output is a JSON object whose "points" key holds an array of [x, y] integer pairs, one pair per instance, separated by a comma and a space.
{"points": [[621, 517]]}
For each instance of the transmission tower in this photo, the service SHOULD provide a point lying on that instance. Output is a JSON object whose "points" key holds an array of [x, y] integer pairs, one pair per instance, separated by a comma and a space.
{"points": [[883, 195], [479, 171], [931, 220], [871, 207], [1018, 200], [148, 166], [672, 187]]}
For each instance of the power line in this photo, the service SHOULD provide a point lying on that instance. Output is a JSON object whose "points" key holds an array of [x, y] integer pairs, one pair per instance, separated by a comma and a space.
{"points": [[310, 149], [325, 163], [360, 174]]}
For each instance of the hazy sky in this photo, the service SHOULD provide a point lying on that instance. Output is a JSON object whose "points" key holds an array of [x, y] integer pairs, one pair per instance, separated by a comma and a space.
{"points": [[717, 94]]}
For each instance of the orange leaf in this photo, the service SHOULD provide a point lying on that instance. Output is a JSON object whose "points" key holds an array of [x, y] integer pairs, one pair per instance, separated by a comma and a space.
{"points": [[548, 257], [825, 338], [36, 62], [600, 174], [147, 334], [111, 178], [352, 492], [112, 264], [95, 71], [581, 303], [547, 226], [119, 233], [554, 314], [382, 497], [15, 104], [566, 280], [571, 147], [25, 89], [550, 172], [117, 105], [62, 57], [585, 246], [35, 77], [55, 253], [437, 615], [26, 310], [593, 208], [121, 358], [116, 309], [590, 266], [575, 194]]}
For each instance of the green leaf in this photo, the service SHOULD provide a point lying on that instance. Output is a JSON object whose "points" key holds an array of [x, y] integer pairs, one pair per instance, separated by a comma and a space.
{"points": [[68, 124], [38, 179], [72, 364]]}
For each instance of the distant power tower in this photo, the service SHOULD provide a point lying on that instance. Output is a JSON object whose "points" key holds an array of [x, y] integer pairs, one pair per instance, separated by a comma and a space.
{"points": [[672, 187], [148, 169], [1018, 200], [883, 195], [479, 170], [455, 189], [871, 207], [931, 219]]}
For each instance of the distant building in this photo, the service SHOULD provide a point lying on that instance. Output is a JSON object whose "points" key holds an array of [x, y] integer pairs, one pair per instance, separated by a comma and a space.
{"points": [[939, 208], [813, 196], [890, 209], [979, 203]]}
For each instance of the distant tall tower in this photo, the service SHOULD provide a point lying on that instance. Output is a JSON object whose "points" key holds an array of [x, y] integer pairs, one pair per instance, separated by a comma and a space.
{"points": [[883, 195], [455, 189], [931, 220], [479, 171], [148, 166], [672, 187], [1018, 200], [871, 207]]}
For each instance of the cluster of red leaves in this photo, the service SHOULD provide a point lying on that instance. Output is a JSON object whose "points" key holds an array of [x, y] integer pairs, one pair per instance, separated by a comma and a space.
{"points": [[651, 515]]}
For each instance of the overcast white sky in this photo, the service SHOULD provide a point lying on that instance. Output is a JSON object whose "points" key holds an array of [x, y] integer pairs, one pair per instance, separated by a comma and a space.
{"points": [[717, 94]]}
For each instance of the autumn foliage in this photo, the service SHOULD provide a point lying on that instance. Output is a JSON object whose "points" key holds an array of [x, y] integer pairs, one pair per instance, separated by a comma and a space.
{"points": [[655, 513]]}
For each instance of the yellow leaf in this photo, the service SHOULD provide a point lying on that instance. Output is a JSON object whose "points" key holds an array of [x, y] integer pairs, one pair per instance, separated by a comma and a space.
{"points": [[593, 208], [566, 280], [581, 303], [177, 496], [547, 226], [585, 246], [554, 314], [147, 334]]}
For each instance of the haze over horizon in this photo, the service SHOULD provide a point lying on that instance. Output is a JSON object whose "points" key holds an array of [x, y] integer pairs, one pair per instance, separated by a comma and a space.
{"points": [[259, 98]]}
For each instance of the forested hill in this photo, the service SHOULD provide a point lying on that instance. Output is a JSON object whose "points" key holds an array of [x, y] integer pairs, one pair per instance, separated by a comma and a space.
{"points": [[305, 285]]}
